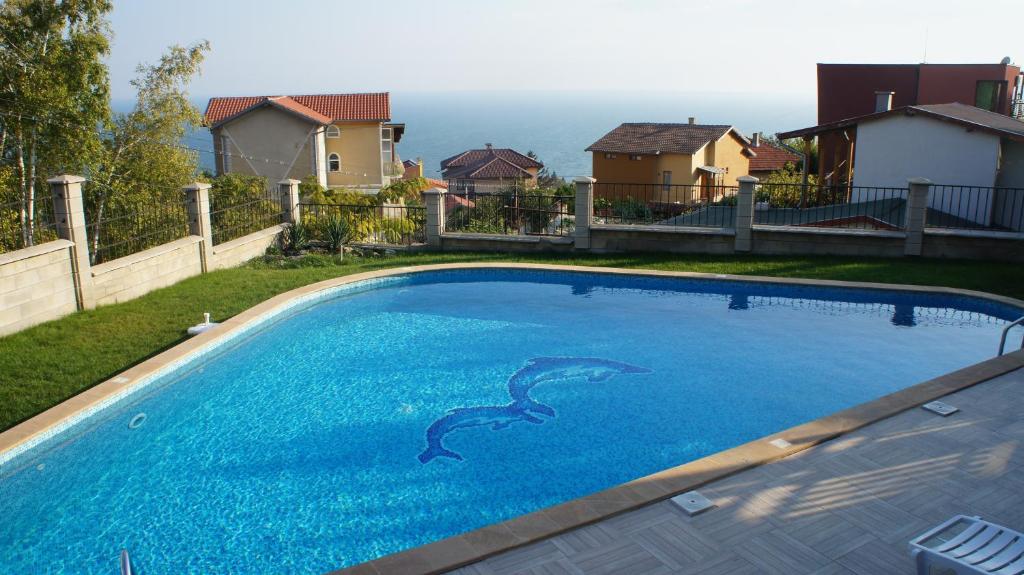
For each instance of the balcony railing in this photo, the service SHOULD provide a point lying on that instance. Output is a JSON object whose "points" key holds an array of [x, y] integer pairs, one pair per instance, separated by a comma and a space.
{"points": [[1017, 109]]}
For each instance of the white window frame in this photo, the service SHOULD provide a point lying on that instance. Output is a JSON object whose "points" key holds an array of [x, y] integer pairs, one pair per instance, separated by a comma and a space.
{"points": [[333, 157], [333, 131], [225, 142], [386, 135]]}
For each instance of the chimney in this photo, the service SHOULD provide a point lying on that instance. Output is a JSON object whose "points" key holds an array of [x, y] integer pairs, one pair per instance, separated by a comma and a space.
{"points": [[693, 120], [883, 101], [487, 145], [755, 141], [419, 167]]}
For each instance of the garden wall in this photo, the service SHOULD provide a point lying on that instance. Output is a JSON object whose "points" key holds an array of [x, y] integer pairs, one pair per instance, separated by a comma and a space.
{"points": [[138, 274], [778, 240], [48, 281], [456, 242], [243, 249], [625, 238], [36, 285]]}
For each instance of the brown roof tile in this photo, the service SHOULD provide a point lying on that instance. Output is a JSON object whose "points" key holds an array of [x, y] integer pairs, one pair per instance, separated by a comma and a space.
{"points": [[771, 157], [323, 108], [489, 164], [653, 138]]}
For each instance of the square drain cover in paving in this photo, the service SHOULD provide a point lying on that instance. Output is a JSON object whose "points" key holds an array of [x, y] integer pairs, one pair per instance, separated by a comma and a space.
{"points": [[940, 408], [692, 502]]}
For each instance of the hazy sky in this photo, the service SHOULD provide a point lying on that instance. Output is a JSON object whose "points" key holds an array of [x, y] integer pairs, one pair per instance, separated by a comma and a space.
{"points": [[755, 46]]}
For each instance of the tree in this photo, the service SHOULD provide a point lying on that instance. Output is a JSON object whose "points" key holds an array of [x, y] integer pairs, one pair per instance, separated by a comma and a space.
{"points": [[546, 179], [142, 162], [54, 91]]}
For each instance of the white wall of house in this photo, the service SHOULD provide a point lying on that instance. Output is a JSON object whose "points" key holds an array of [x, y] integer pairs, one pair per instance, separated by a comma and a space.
{"points": [[279, 143], [320, 156], [1011, 169], [891, 150], [1009, 203]]}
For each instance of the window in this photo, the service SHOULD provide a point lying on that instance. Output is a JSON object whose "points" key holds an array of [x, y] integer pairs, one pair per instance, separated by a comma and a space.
{"points": [[635, 157], [334, 163], [225, 151], [610, 156], [385, 145], [666, 180], [987, 94], [333, 132]]}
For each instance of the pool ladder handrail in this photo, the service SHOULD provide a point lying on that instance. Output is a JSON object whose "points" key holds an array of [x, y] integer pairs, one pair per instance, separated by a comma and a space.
{"points": [[1006, 331]]}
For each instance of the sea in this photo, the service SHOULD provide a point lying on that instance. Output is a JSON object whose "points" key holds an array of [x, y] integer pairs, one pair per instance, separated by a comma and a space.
{"points": [[556, 125]]}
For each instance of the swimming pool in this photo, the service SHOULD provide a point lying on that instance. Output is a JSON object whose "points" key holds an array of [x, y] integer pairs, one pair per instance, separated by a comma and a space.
{"points": [[396, 412]]}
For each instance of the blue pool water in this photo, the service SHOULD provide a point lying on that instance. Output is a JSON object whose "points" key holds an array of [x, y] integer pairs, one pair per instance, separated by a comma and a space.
{"points": [[307, 445]]}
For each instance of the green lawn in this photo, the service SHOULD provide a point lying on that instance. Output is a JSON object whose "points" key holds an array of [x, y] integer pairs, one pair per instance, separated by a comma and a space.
{"points": [[46, 364]]}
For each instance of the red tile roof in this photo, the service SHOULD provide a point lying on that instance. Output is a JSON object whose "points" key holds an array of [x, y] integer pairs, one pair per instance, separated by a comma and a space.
{"points": [[487, 164], [652, 138], [771, 157], [322, 108]]}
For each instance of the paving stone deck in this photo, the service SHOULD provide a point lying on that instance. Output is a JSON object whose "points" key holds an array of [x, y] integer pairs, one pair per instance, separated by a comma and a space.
{"points": [[847, 506]]}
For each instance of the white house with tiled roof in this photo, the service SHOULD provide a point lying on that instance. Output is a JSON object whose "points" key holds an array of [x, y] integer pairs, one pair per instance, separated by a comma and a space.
{"points": [[345, 140]]}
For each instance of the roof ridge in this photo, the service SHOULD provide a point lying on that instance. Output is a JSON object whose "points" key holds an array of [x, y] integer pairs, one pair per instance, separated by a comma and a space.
{"points": [[495, 158]]}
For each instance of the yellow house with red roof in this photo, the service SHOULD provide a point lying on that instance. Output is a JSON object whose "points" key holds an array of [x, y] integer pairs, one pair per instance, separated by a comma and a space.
{"points": [[344, 140]]}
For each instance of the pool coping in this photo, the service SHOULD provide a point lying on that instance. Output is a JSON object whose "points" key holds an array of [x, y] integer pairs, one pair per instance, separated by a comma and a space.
{"points": [[460, 550]]}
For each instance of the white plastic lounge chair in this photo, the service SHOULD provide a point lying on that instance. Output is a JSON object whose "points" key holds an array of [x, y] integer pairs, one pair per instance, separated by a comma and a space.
{"points": [[968, 545]]}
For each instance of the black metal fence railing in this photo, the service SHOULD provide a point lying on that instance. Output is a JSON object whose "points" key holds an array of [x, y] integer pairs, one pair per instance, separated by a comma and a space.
{"points": [[229, 221], [23, 224], [848, 207], [125, 230], [511, 213], [665, 204], [975, 208], [367, 224]]}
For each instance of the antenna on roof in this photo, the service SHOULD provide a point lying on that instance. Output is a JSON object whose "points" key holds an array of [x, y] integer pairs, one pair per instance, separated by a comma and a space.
{"points": [[924, 59]]}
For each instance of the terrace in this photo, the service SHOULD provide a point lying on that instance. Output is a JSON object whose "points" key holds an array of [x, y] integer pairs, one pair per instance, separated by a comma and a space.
{"points": [[847, 506]]}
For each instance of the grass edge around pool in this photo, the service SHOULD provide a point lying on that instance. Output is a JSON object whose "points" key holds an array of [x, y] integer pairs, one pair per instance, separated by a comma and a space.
{"points": [[46, 364]]}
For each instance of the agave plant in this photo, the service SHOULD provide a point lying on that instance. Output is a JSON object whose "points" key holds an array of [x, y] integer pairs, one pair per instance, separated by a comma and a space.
{"points": [[336, 233], [296, 237]]}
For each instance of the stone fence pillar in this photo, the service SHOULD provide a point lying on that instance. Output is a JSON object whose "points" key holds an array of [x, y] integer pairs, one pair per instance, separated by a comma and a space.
{"points": [[69, 214], [290, 201], [434, 198], [917, 208], [745, 213], [197, 200], [584, 211]]}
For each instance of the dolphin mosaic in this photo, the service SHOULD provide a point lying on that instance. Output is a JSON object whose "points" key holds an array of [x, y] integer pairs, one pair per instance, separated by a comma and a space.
{"points": [[522, 407]]}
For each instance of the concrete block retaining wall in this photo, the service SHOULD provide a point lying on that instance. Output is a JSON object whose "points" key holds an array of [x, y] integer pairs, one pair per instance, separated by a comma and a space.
{"points": [[48, 281], [778, 240], [243, 249], [456, 242], [36, 285], [140, 273], [624, 238]]}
